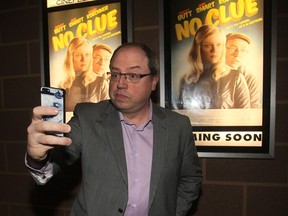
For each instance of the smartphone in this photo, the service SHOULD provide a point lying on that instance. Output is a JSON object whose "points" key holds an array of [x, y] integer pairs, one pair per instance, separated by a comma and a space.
{"points": [[54, 97]]}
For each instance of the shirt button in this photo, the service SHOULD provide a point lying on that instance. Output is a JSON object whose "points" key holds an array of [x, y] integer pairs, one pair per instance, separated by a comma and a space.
{"points": [[134, 205]]}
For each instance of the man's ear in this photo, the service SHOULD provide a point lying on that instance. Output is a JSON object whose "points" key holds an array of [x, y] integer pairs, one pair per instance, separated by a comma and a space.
{"points": [[155, 82]]}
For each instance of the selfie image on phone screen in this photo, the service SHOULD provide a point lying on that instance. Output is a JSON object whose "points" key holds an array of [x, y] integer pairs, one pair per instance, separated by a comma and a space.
{"points": [[53, 97]]}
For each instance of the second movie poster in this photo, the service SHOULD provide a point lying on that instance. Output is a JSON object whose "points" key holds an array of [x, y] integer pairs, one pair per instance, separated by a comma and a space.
{"points": [[217, 66]]}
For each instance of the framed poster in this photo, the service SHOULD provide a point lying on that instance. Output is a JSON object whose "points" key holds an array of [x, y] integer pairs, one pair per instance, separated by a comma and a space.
{"points": [[218, 68], [79, 38]]}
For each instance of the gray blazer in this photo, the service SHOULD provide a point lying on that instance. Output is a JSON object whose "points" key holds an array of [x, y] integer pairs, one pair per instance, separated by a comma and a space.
{"points": [[97, 139]]}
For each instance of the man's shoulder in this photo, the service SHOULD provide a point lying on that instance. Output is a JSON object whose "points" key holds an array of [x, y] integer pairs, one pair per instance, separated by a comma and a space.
{"points": [[89, 107]]}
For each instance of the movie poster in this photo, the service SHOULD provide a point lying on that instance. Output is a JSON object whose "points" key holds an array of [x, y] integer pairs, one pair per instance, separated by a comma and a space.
{"points": [[233, 17], [73, 35]]}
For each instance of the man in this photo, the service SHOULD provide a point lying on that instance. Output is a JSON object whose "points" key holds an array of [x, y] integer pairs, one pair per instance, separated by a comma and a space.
{"points": [[237, 48], [101, 58], [137, 159]]}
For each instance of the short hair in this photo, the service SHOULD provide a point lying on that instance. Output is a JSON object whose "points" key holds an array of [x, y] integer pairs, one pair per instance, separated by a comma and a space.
{"points": [[153, 63], [238, 35], [102, 46]]}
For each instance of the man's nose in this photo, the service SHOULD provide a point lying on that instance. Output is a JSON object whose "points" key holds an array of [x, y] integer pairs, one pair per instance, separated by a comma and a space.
{"points": [[122, 82]]}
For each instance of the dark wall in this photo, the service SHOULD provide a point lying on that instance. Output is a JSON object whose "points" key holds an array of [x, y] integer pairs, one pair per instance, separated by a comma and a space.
{"points": [[244, 187]]}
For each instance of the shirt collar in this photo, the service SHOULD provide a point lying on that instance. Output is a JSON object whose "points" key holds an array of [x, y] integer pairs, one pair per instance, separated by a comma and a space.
{"points": [[144, 124]]}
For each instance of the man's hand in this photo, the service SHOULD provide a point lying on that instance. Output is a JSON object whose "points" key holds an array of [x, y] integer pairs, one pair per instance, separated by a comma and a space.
{"points": [[40, 140]]}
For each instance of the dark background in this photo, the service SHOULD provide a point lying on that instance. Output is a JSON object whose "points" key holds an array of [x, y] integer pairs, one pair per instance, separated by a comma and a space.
{"points": [[232, 187]]}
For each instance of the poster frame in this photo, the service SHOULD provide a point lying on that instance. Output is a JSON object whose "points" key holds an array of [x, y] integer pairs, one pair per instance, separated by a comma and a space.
{"points": [[266, 150], [95, 8]]}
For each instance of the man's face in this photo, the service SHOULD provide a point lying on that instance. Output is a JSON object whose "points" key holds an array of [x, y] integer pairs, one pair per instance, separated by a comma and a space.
{"points": [[236, 52], [101, 59], [131, 97]]}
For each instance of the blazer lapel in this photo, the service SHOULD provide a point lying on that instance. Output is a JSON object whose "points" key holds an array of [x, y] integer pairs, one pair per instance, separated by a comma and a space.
{"points": [[114, 133], [113, 127], [159, 141]]}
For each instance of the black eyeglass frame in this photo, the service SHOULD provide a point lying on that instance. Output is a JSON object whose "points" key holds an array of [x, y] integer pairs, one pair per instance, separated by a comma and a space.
{"points": [[128, 76]]}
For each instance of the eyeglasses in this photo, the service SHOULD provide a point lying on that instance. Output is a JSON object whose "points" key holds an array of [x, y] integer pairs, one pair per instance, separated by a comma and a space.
{"points": [[98, 58], [232, 49], [129, 77]]}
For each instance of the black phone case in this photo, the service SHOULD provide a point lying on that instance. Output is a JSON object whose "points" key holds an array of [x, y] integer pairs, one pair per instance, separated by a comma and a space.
{"points": [[54, 97]]}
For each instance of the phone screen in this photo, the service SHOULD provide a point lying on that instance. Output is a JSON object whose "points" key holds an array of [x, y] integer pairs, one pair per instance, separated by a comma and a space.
{"points": [[54, 97]]}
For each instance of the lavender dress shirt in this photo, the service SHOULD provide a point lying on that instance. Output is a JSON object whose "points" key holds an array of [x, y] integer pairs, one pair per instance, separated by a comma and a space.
{"points": [[138, 144]]}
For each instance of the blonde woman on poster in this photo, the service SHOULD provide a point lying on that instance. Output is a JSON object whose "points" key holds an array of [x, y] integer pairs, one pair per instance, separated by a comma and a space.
{"points": [[79, 76], [211, 84]]}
